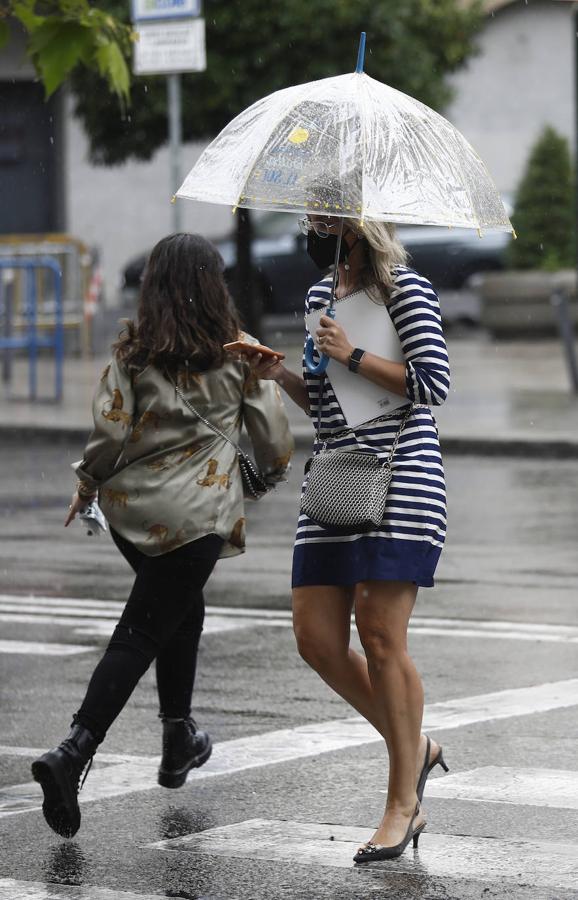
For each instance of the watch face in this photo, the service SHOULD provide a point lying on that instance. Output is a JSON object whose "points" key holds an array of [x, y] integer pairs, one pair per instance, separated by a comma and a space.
{"points": [[355, 359]]}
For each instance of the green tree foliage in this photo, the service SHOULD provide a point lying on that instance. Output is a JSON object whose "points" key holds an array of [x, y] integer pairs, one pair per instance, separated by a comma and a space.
{"points": [[256, 47], [66, 34], [544, 210]]}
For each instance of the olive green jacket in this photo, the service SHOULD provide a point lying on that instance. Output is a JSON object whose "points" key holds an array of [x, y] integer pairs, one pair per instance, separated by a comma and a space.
{"points": [[163, 477]]}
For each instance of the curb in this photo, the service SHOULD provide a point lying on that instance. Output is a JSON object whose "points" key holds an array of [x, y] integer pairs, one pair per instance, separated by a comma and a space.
{"points": [[452, 445]]}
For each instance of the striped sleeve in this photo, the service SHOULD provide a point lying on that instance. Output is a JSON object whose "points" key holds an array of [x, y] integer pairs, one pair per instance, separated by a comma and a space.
{"points": [[415, 312]]}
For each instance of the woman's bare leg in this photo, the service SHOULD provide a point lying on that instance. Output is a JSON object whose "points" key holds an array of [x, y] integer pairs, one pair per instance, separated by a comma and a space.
{"points": [[382, 610], [322, 626], [321, 621]]}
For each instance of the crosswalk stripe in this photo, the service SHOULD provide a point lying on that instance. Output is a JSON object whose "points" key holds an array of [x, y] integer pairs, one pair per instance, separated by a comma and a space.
{"points": [[93, 618], [35, 648], [556, 788], [10, 889], [456, 856], [288, 745]]}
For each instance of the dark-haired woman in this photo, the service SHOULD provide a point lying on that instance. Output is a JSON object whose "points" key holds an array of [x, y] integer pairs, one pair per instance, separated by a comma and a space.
{"points": [[171, 491]]}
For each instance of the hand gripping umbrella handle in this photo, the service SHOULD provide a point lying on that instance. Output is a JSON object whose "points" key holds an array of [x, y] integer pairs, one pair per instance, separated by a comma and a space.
{"points": [[320, 367]]}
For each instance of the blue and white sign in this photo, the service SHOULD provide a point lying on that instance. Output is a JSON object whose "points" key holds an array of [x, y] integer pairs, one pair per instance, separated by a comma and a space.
{"points": [[155, 10]]}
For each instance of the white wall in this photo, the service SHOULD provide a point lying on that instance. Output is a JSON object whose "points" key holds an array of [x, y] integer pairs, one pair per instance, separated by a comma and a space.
{"points": [[125, 210], [522, 80]]}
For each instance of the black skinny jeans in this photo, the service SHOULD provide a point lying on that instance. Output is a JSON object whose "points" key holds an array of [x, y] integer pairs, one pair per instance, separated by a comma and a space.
{"points": [[163, 619]]}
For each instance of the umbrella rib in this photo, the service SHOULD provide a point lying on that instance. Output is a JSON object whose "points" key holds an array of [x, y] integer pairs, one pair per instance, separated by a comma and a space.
{"points": [[363, 141]]}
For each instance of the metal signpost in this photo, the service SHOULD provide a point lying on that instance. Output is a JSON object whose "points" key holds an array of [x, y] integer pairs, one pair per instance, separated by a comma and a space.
{"points": [[171, 40]]}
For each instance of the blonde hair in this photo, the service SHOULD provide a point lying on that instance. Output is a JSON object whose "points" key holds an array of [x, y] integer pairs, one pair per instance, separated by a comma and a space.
{"points": [[385, 252]]}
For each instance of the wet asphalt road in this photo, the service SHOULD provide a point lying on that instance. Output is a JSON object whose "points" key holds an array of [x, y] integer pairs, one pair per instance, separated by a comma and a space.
{"points": [[511, 558]]}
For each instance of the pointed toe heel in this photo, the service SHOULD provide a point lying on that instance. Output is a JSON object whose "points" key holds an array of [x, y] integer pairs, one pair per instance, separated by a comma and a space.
{"points": [[376, 852]]}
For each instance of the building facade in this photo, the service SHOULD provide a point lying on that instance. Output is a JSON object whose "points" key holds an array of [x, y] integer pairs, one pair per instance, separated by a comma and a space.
{"points": [[522, 79]]}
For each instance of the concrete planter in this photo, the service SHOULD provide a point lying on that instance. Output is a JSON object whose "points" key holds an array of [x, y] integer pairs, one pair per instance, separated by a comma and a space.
{"points": [[517, 304]]}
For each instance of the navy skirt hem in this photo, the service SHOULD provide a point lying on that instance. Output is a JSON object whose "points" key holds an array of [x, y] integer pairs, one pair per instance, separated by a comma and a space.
{"points": [[364, 559]]}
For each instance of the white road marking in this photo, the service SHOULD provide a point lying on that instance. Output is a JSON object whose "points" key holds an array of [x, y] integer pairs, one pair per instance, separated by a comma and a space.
{"points": [[287, 745], [10, 889], [33, 752], [91, 617], [556, 788], [102, 783], [473, 858], [42, 649]]}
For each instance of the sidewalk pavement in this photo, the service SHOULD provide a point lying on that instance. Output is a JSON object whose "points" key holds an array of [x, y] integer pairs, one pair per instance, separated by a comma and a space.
{"points": [[506, 397]]}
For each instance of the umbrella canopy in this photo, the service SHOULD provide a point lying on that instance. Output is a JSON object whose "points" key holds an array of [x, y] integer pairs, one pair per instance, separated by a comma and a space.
{"points": [[348, 146]]}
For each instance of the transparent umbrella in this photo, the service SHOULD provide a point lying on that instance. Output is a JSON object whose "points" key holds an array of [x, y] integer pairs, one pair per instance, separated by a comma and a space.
{"points": [[348, 146]]}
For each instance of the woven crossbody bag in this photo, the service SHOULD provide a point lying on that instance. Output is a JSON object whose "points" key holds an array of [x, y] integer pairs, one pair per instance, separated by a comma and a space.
{"points": [[254, 484], [346, 490]]}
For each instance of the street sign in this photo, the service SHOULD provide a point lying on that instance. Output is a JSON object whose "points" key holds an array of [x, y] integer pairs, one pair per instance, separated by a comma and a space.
{"points": [[148, 10], [165, 47]]}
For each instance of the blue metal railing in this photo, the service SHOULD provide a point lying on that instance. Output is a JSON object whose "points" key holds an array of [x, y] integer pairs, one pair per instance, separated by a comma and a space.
{"points": [[32, 340]]}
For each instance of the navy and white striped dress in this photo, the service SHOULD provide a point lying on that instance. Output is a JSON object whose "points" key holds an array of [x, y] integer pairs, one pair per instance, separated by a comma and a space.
{"points": [[408, 544]]}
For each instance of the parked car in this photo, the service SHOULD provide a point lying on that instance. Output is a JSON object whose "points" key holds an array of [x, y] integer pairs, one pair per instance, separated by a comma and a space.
{"points": [[283, 270], [451, 257]]}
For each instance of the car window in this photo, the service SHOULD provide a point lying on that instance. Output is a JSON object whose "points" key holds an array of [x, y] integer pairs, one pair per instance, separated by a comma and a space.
{"points": [[272, 224]]}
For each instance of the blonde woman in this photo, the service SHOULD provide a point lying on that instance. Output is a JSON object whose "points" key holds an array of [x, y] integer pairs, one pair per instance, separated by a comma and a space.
{"points": [[376, 574]]}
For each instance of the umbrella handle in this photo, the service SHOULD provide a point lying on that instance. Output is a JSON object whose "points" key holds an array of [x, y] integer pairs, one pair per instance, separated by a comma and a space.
{"points": [[320, 367]]}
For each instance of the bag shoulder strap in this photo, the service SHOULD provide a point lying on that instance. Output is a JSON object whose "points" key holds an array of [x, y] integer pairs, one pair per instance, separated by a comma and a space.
{"points": [[344, 431], [196, 413]]}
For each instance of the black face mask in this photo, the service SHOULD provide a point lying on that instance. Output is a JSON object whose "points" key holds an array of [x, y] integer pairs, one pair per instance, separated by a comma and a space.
{"points": [[322, 249]]}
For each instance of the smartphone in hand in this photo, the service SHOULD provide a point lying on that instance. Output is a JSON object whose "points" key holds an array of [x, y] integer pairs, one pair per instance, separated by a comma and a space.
{"points": [[252, 349]]}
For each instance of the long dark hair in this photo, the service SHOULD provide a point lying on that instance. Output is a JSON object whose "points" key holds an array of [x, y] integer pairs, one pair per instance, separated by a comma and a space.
{"points": [[185, 312]]}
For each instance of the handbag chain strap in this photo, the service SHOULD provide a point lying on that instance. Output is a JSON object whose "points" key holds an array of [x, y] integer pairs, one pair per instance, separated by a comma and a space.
{"points": [[202, 418], [344, 431]]}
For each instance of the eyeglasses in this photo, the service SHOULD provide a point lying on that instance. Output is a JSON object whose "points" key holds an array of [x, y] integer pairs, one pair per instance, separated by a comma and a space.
{"points": [[321, 229]]}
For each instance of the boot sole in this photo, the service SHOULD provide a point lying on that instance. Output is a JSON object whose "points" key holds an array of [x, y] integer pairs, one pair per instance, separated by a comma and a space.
{"points": [[173, 779], [60, 814]]}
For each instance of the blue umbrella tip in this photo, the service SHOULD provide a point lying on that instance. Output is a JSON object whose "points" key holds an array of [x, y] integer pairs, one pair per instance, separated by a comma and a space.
{"points": [[361, 54]]}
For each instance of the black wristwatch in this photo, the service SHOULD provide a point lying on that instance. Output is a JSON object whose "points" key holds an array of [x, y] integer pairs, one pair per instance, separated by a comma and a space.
{"points": [[354, 359]]}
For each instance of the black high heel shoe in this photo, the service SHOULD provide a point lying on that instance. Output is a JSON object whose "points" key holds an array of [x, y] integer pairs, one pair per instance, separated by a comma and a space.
{"points": [[375, 852], [427, 767]]}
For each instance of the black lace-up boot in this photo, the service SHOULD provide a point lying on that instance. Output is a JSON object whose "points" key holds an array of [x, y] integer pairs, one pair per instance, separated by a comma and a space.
{"points": [[59, 772], [184, 748]]}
